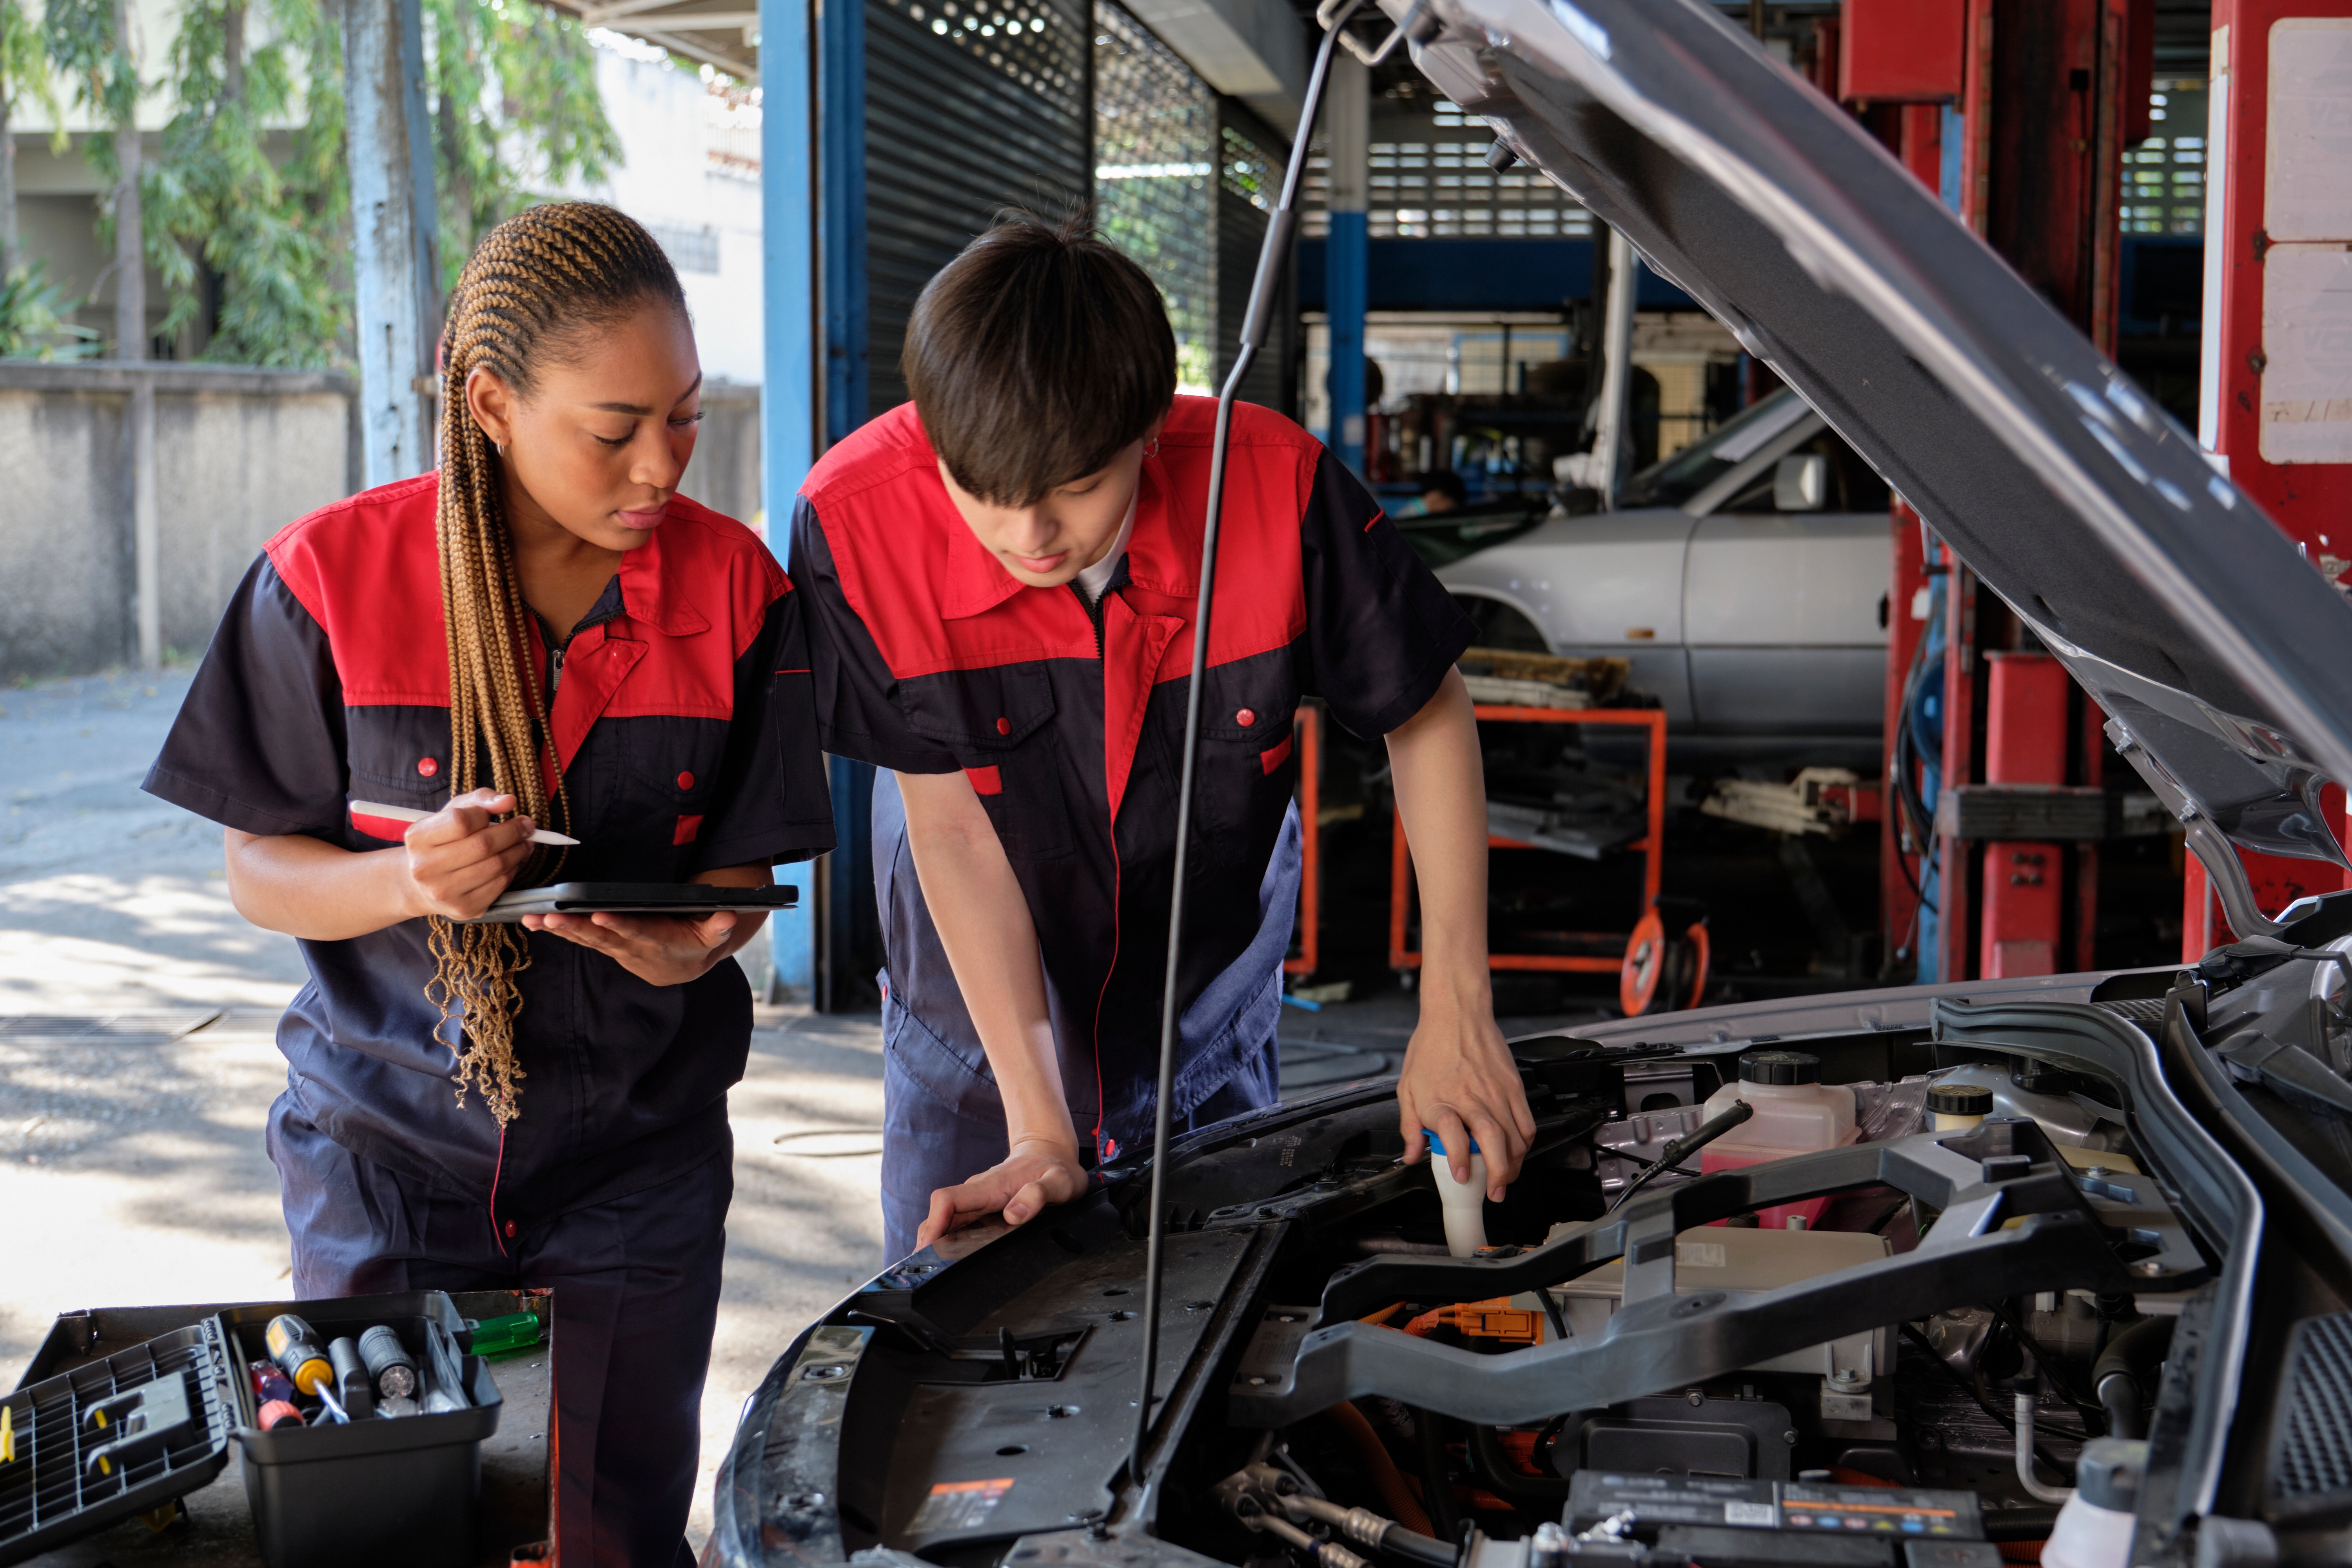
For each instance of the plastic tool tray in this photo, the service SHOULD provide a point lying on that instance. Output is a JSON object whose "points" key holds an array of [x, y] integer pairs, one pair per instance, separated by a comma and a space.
{"points": [[113, 1439]]}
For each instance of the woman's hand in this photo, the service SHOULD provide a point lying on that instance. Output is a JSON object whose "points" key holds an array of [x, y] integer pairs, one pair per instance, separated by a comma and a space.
{"points": [[1037, 1171], [666, 950], [455, 861], [660, 950]]}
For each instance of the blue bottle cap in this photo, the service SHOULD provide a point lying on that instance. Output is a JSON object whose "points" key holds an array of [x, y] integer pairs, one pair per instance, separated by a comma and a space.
{"points": [[1438, 1148]]}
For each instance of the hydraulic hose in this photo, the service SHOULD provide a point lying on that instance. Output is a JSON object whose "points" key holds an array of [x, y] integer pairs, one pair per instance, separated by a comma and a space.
{"points": [[2019, 1523], [1436, 1475], [1373, 1455], [1684, 1147], [2124, 1374], [1541, 1495], [1366, 1527]]}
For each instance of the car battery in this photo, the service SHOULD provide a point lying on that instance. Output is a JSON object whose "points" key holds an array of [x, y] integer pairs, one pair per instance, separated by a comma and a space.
{"points": [[125, 1436], [1623, 1503]]}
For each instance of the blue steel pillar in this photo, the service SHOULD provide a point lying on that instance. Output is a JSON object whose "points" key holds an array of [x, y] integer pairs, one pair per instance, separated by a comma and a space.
{"points": [[813, 157], [1347, 120], [789, 401], [841, 150]]}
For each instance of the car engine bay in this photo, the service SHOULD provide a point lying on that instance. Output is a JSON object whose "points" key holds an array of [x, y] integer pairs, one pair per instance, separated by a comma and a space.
{"points": [[2017, 1270]]}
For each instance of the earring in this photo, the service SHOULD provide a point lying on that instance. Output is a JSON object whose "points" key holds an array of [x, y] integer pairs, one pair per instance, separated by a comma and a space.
{"points": [[501, 447], [1153, 449]]}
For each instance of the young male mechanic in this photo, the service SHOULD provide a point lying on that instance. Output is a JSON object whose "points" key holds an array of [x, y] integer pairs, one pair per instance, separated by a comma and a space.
{"points": [[1002, 578]]}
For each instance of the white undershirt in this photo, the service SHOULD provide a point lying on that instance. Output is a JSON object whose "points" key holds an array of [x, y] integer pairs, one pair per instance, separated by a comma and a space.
{"points": [[1097, 577]]}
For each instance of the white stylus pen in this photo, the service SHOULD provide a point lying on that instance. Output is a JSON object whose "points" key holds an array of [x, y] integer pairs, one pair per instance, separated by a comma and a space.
{"points": [[410, 813]]}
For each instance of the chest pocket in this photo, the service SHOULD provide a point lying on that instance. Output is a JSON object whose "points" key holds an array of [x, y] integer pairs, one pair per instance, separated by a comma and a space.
{"points": [[673, 767], [1249, 765], [998, 725]]}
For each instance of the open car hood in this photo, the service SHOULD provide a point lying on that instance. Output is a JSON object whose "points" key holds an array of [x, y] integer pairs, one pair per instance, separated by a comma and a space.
{"points": [[2219, 655]]}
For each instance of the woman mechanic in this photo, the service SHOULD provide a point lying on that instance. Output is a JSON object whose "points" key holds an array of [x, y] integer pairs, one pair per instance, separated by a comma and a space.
{"points": [[543, 634]]}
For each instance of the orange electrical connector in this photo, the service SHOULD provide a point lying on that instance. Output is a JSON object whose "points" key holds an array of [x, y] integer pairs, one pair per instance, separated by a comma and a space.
{"points": [[1495, 1319]]}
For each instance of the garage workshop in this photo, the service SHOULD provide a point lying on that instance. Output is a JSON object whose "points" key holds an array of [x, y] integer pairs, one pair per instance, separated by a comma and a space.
{"points": [[1488, 782]]}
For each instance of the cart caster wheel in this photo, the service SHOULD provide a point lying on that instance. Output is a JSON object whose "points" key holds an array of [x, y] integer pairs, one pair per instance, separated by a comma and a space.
{"points": [[159, 1519], [1663, 973]]}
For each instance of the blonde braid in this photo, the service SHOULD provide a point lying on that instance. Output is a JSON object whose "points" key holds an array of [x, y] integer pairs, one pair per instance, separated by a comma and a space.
{"points": [[531, 286]]}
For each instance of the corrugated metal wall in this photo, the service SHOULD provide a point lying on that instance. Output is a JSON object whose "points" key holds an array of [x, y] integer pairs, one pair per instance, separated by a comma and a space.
{"points": [[1249, 180], [970, 106]]}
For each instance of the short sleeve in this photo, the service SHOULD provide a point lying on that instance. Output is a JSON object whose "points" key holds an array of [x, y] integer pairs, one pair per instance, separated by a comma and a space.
{"points": [[258, 744], [857, 712], [1381, 631], [772, 803]]}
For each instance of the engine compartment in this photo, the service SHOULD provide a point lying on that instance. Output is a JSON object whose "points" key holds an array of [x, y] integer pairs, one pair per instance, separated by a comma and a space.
{"points": [[1866, 1399]]}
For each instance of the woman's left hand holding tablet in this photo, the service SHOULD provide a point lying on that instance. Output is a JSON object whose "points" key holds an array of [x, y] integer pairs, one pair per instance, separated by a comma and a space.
{"points": [[665, 949], [660, 950]]}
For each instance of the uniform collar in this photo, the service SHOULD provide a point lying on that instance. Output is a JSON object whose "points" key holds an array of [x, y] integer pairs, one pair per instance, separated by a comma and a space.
{"points": [[1163, 555], [652, 592]]}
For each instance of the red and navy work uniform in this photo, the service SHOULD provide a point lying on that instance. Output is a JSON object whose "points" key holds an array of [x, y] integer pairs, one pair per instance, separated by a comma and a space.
{"points": [[1068, 719], [683, 722]]}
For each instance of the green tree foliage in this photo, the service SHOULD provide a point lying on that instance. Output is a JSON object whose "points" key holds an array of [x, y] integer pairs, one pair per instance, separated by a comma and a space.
{"points": [[218, 206], [258, 225], [517, 115]]}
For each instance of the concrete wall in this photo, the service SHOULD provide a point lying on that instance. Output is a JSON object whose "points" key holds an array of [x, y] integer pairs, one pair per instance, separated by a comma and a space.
{"points": [[725, 473], [239, 453]]}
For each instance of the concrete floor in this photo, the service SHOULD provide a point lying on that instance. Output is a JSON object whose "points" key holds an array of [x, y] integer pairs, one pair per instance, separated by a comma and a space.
{"points": [[137, 1012]]}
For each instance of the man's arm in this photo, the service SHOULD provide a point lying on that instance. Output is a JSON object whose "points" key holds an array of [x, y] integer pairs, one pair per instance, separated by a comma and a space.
{"points": [[1459, 1081], [991, 945]]}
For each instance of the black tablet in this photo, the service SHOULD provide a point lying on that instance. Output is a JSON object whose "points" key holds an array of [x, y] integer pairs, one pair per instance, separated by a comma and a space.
{"points": [[636, 899]]}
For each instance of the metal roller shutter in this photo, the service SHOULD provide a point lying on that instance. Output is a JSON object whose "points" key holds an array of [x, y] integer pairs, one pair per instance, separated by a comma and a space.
{"points": [[1249, 179], [972, 106]]}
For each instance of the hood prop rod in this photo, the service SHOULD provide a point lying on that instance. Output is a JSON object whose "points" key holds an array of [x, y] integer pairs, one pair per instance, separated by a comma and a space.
{"points": [[1265, 289]]}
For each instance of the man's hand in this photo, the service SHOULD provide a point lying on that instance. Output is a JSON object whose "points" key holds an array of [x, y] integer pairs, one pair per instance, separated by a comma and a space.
{"points": [[1460, 1083], [1038, 1172], [455, 861], [660, 950]]}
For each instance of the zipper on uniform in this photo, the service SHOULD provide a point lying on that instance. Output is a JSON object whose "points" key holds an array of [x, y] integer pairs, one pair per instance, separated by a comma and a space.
{"points": [[1094, 613]]}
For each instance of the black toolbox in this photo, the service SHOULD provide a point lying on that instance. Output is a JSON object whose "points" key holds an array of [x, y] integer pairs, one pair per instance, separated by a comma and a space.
{"points": [[400, 1493], [73, 1459], [378, 1491]]}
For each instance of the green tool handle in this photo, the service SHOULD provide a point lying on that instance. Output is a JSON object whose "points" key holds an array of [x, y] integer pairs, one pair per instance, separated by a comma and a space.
{"points": [[491, 1335]]}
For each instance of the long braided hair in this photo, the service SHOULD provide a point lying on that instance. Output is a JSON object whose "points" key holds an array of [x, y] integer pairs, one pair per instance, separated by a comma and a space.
{"points": [[534, 288]]}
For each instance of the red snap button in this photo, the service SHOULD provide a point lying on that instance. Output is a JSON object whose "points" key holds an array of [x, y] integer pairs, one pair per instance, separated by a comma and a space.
{"points": [[510, 1230], [1246, 718], [685, 780], [427, 767], [1005, 726]]}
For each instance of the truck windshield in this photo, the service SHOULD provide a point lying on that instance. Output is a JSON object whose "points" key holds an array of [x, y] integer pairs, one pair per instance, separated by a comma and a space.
{"points": [[1709, 458]]}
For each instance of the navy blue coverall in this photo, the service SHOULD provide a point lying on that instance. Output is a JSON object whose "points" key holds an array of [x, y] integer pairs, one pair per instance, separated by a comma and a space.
{"points": [[683, 723], [1068, 719]]}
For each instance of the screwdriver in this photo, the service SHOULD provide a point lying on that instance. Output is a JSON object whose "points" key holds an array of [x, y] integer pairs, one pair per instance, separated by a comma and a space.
{"points": [[295, 1348]]}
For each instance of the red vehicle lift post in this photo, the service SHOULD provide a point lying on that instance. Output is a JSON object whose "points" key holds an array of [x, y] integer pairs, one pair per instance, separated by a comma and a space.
{"points": [[2278, 244], [2049, 92]]}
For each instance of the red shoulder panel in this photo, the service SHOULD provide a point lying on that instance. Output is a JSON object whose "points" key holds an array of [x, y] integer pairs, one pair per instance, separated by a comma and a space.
{"points": [[367, 571], [695, 596], [912, 570]]}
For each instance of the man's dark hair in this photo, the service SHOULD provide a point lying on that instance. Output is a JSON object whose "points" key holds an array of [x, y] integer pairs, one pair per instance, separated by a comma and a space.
{"points": [[1035, 355]]}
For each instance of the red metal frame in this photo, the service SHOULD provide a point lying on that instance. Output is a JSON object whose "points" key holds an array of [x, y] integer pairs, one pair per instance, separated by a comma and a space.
{"points": [[1907, 581], [2311, 502], [1652, 846], [1900, 51], [2027, 697], [1307, 725]]}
